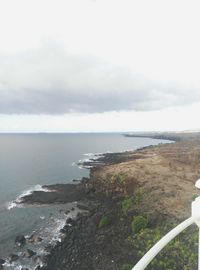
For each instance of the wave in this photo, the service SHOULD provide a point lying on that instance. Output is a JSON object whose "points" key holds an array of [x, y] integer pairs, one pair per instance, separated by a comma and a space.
{"points": [[94, 155], [11, 205], [18, 200], [50, 232], [90, 158], [89, 154], [97, 154]]}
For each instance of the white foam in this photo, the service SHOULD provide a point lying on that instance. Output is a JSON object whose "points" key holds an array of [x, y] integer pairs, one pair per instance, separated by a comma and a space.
{"points": [[11, 205], [51, 234], [6, 264], [56, 232], [18, 200], [89, 154], [88, 167], [92, 158], [20, 267], [74, 164], [84, 160], [59, 224], [30, 191]]}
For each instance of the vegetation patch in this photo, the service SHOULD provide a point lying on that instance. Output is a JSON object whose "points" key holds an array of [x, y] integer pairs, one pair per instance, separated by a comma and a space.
{"points": [[195, 196], [118, 178], [104, 221], [126, 266], [139, 223], [181, 253], [138, 196], [127, 204]]}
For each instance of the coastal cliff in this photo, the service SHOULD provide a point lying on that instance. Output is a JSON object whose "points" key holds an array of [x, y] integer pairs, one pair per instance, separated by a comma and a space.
{"points": [[130, 201]]}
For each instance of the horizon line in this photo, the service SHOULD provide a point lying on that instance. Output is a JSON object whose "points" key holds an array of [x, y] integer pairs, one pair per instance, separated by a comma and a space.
{"points": [[95, 132]]}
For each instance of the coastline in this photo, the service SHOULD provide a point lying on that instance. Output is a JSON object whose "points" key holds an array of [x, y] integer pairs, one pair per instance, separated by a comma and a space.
{"points": [[87, 245], [171, 136], [117, 176]]}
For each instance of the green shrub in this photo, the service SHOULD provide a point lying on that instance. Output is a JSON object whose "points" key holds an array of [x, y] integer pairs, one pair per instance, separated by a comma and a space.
{"points": [[195, 196], [104, 221], [118, 178], [139, 223], [126, 266], [138, 196], [127, 204], [184, 247], [122, 178], [113, 178]]}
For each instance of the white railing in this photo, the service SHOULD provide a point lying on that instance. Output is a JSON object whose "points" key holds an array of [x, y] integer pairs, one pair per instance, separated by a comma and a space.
{"points": [[195, 218]]}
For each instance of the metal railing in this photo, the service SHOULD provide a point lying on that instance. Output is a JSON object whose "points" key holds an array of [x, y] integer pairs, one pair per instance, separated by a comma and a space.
{"points": [[195, 218]]}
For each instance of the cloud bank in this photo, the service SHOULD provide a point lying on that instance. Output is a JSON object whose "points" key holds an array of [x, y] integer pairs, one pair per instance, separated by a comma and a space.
{"points": [[51, 81]]}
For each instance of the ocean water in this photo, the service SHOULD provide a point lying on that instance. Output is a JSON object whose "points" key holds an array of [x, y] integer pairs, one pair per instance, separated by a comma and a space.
{"points": [[28, 161]]}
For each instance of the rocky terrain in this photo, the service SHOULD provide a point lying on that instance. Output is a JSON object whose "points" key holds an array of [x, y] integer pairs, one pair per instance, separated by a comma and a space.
{"points": [[130, 200], [172, 136], [165, 173]]}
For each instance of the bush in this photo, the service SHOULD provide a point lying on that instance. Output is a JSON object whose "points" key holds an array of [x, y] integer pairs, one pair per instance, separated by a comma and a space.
{"points": [[126, 266], [122, 178], [127, 204], [118, 178], [104, 222], [184, 247], [139, 223], [138, 196]]}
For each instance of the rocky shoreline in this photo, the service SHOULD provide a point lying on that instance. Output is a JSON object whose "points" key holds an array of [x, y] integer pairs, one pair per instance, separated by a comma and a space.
{"points": [[171, 136], [123, 188]]}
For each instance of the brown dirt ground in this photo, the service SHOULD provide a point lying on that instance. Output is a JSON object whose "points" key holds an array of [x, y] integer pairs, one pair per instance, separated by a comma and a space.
{"points": [[166, 174]]}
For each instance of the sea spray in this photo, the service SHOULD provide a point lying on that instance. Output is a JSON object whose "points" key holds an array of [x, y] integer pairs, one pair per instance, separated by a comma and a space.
{"points": [[18, 200]]}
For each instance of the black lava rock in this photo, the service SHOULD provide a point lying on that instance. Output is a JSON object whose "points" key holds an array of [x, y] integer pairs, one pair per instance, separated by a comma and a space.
{"points": [[13, 258], [2, 261], [30, 253], [20, 240]]}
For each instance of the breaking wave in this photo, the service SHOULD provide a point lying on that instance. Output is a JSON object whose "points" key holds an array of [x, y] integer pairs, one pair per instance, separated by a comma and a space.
{"points": [[18, 200]]}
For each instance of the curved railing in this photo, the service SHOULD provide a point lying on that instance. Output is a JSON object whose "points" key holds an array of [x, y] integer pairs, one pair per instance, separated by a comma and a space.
{"points": [[195, 218]]}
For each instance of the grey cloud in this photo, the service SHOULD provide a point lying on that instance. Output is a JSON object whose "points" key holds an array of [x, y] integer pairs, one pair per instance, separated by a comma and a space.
{"points": [[51, 81]]}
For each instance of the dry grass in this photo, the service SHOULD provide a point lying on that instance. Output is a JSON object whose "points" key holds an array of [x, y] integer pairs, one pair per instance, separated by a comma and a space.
{"points": [[167, 174]]}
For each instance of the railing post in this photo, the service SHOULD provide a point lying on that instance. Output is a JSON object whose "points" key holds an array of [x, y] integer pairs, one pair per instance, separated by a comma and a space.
{"points": [[196, 216], [199, 252]]}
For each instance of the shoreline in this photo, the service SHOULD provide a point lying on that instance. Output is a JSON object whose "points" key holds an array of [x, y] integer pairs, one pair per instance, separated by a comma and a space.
{"points": [[85, 244], [65, 193], [171, 136], [90, 245], [90, 199]]}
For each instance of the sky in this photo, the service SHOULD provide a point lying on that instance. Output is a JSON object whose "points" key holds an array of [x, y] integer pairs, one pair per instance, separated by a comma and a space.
{"points": [[99, 65]]}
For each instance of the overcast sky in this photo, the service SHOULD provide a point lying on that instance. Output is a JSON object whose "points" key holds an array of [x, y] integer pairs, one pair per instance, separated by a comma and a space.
{"points": [[104, 65]]}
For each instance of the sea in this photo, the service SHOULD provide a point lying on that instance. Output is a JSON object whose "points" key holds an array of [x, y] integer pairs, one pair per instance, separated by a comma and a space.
{"points": [[28, 161]]}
